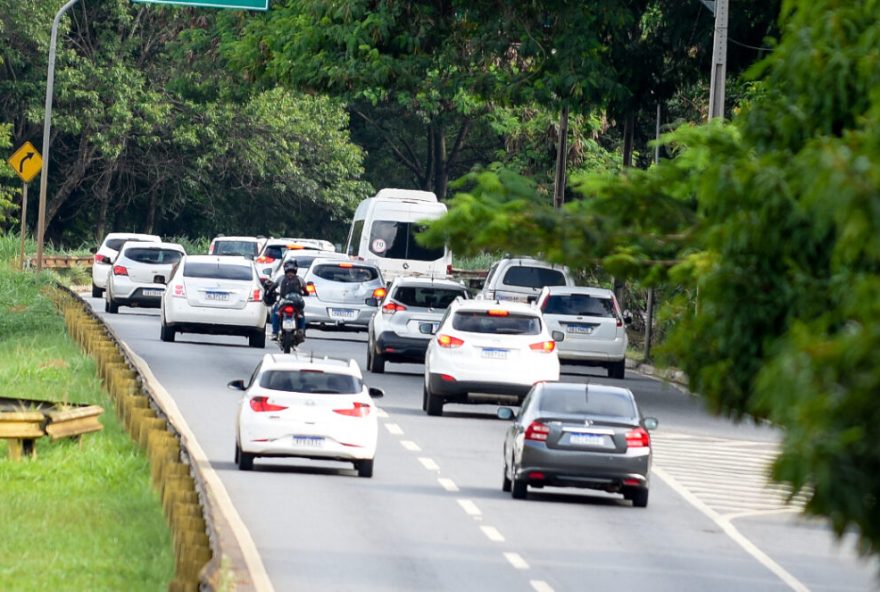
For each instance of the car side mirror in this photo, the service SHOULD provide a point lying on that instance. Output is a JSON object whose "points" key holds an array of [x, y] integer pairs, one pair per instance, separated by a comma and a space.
{"points": [[236, 385], [372, 301], [426, 328], [93, 250], [376, 393], [505, 413], [557, 335], [650, 423]]}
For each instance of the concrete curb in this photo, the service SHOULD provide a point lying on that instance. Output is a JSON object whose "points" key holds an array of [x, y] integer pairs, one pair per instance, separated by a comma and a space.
{"points": [[671, 375]]}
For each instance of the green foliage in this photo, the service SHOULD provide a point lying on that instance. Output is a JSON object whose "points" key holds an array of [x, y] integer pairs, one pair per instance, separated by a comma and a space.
{"points": [[7, 175]]}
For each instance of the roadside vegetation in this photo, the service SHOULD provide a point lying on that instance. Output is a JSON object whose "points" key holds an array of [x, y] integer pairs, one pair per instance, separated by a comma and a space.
{"points": [[81, 515]]}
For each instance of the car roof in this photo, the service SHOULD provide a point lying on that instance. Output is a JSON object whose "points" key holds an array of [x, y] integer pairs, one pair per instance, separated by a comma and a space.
{"points": [[588, 290], [530, 261], [236, 238], [591, 388], [153, 245], [404, 280], [146, 237], [337, 260], [291, 253], [224, 259], [308, 361], [484, 305]]}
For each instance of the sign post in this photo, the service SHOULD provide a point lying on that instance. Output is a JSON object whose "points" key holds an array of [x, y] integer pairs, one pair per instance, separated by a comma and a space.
{"points": [[23, 222], [27, 163]]}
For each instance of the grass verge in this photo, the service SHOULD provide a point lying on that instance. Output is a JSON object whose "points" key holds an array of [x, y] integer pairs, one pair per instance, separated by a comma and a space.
{"points": [[81, 515]]}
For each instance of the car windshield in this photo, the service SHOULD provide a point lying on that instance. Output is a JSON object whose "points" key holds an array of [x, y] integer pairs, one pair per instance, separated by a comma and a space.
{"points": [[311, 381], [397, 240], [484, 322], [230, 247], [533, 277], [217, 271], [154, 256], [346, 273], [274, 251], [579, 305], [427, 297], [581, 400]]}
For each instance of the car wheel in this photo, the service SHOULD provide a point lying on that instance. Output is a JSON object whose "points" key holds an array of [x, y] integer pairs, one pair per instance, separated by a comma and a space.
{"points": [[375, 362], [237, 453], [245, 461], [506, 483], [111, 306], [425, 398], [433, 404], [257, 339], [639, 497], [518, 489], [166, 333], [364, 467], [617, 370], [96, 291]]}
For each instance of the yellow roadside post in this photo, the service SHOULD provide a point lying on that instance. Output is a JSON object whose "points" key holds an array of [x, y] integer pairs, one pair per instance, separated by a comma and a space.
{"points": [[27, 163]]}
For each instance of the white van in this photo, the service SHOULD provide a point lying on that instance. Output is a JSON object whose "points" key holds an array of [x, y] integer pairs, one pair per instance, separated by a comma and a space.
{"points": [[384, 229]]}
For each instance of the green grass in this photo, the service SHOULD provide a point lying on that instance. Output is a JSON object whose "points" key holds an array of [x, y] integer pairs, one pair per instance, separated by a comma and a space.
{"points": [[81, 515]]}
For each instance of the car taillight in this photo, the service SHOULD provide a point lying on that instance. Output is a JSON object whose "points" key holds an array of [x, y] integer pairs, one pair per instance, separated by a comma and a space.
{"points": [[255, 296], [449, 341], [288, 309], [537, 431], [345, 265], [543, 346], [262, 404], [449, 269], [379, 293], [119, 270], [617, 314], [311, 290], [393, 307], [178, 291], [265, 259], [638, 438], [497, 312], [359, 410], [102, 259]]}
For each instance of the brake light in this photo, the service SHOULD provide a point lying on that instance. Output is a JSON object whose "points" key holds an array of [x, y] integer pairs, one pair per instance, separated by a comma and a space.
{"points": [[345, 265], [265, 259], [537, 431], [379, 293], [449, 269], [617, 314], [255, 296], [311, 290], [393, 307], [638, 438], [359, 410], [211, 249], [262, 404], [288, 309], [497, 312], [537, 476], [102, 259], [119, 270], [179, 291], [543, 346], [449, 341]]}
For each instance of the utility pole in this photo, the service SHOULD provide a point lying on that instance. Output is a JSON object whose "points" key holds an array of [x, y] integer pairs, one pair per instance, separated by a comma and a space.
{"points": [[719, 61], [561, 160]]}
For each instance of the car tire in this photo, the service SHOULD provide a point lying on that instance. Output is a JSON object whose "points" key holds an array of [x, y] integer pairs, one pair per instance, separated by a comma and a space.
{"points": [[111, 306], [425, 398], [166, 333], [518, 489], [433, 404], [96, 291], [364, 468], [375, 362], [617, 370], [506, 483], [639, 497], [245, 461], [257, 339]]}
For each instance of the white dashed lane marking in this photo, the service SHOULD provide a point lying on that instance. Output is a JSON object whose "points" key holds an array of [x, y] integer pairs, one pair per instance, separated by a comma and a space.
{"points": [[469, 507], [381, 413], [541, 586], [516, 560], [410, 445], [393, 428], [492, 534], [447, 484], [429, 463]]}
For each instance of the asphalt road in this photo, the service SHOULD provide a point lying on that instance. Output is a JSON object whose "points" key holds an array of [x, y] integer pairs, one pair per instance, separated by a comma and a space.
{"points": [[434, 517]]}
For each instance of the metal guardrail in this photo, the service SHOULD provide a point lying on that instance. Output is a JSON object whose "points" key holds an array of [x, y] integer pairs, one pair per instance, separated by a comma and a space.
{"points": [[60, 261], [23, 421]]}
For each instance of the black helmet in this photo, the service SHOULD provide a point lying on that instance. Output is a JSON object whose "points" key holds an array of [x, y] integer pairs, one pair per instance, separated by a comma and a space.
{"points": [[290, 265]]}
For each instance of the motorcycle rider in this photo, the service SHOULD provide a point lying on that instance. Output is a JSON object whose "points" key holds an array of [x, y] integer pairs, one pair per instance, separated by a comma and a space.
{"points": [[274, 293]]}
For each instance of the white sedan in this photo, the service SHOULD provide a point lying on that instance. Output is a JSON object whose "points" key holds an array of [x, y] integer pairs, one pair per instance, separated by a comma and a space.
{"points": [[298, 406]]}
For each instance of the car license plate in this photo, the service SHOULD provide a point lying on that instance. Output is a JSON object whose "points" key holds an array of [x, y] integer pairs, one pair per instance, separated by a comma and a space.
{"points": [[217, 296], [494, 353], [288, 323], [309, 441], [587, 440], [152, 292], [342, 313], [580, 329]]}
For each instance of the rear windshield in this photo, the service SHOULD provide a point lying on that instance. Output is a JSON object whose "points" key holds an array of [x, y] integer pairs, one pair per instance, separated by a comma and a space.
{"points": [[483, 322], [427, 297], [293, 381], [578, 399], [349, 275], [230, 247], [533, 277], [579, 305], [156, 256], [219, 271], [302, 261], [115, 243], [397, 240]]}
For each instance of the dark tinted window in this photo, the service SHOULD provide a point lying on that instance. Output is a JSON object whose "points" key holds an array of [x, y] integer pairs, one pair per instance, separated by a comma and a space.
{"points": [[579, 399], [115, 243], [302, 261], [533, 277], [274, 251], [397, 240], [350, 274], [580, 305], [311, 382], [217, 271], [427, 297], [483, 322], [157, 256], [229, 247], [354, 241]]}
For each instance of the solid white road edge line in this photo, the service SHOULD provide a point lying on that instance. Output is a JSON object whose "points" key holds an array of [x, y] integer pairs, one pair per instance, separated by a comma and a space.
{"points": [[249, 551], [516, 560], [732, 532]]}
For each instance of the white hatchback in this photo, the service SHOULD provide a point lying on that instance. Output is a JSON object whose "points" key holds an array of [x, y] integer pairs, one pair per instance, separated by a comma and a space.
{"points": [[139, 273], [594, 327], [485, 351], [106, 253], [296, 405], [218, 295]]}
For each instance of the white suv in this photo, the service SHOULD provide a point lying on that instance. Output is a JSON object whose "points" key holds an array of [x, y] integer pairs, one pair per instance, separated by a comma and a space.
{"points": [[139, 274], [106, 254], [594, 327], [486, 349], [522, 278]]}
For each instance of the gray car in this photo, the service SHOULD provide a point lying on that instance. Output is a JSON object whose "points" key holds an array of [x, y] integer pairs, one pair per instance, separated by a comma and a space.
{"points": [[342, 294], [578, 435]]}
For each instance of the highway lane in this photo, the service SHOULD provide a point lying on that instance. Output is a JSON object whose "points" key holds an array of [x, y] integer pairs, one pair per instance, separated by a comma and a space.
{"points": [[434, 518]]}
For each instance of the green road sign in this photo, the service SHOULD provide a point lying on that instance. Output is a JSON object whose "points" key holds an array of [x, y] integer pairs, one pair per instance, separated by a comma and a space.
{"points": [[240, 4]]}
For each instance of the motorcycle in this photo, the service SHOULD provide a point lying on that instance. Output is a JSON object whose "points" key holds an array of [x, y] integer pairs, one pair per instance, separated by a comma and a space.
{"points": [[290, 312]]}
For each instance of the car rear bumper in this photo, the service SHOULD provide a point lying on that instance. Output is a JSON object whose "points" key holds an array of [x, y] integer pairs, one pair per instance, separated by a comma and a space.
{"points": [[584, 469], [319, 314], [137, 299], [396, 348], [472, 391]]}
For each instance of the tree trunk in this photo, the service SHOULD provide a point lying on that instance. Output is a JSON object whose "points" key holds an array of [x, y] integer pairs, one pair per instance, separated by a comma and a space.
{"points": [[629, 124], [561, 160], [441, 173], [72, 178]]}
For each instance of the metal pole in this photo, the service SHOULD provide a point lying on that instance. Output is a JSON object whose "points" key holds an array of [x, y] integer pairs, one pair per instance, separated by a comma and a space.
{"points": [[719, 61], [561, 160], [47, 122], [24, 199], [649, 326]]}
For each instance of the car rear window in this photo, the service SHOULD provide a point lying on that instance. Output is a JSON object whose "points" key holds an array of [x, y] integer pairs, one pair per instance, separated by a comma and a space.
{"points": [[315, 382], [397, 240], [580, 400], [349, 274], [533, 277], [427, 297], [217, 271], [579, 305], [483, 322], [155, 256], [228, 247], [115, 243]]}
